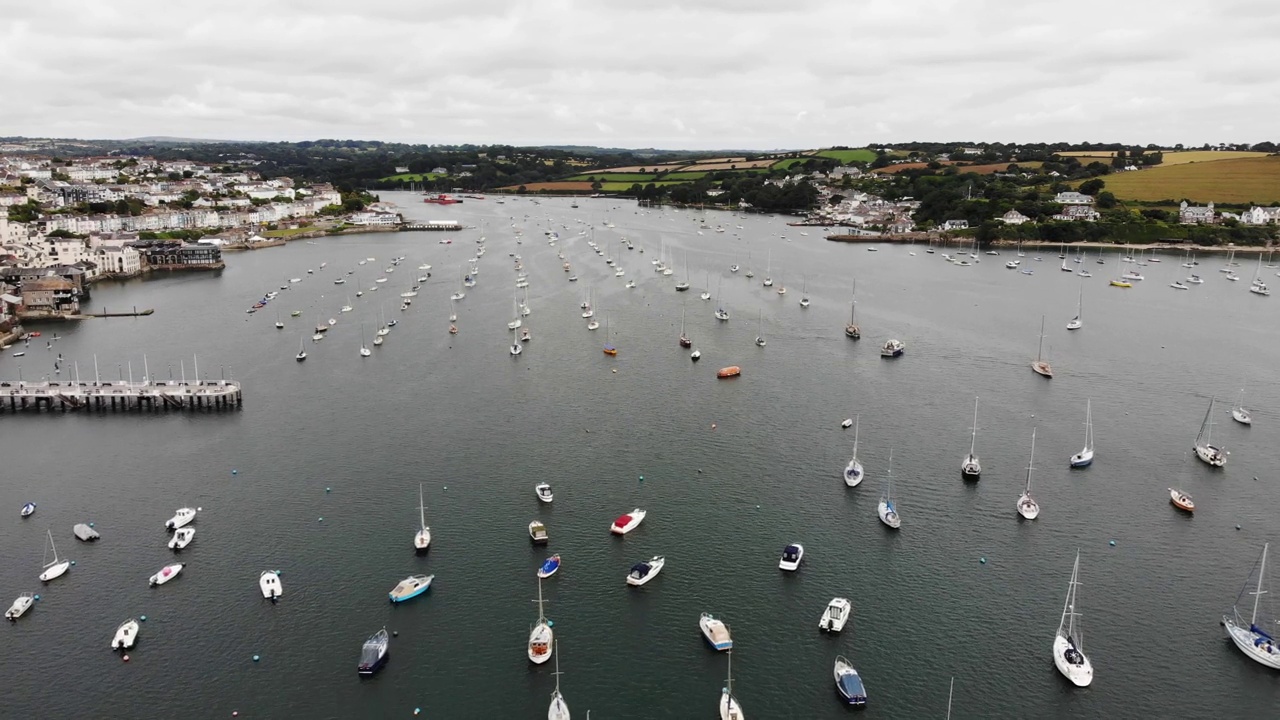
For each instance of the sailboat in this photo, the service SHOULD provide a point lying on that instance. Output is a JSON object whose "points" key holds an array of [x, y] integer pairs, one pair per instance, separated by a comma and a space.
{"points": [[587, 312], [1076, 322], [782, 286], [346, 308], [1255, 642], [853, 473], [525, 310], [852, 330], [730, 708], [971, 468], [559, 709], [684, 284], [383, 328], [364, 349], [540, 635], [804, 292], [516, 349], [886, 510], [706, 294], [302, 354], [749, 274], [609, 348], [1068, 653], [760, 330], [1239, 414], [1084, 458], [422, 538], [1041, 366], [685, 342], [721, 313], [768, 281], [1027, 505], [280, 324], [1205, 450], [56, 568]]}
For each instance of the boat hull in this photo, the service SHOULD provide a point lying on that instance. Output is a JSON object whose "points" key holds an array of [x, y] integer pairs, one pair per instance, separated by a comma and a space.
{"points": [[730, 708], [1264, 652], [853, 474], [126, 635], [1082, 459], [1211, 455], [55, 571], [1080, 673], [269, 584]]}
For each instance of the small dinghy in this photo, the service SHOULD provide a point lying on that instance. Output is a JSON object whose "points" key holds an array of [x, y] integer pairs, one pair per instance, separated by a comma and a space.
{"points": [[836, 615], [269, 583], [28, 510], [716, 632], [182, 538], [410, 588], [544, 492], [848, 683], [373, 654], [847, 423], [549, 567], [126, 635], [643, 572], [538, 533], [166, 573], [791, 557], [182, 517], [20, 606], [84, 532], [626, 523]]}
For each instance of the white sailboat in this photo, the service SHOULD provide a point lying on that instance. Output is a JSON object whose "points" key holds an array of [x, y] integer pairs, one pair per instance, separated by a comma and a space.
{"points": [[1239, 414], [886, 510], [1068, 650], [971, 468], [1041, 366], [684, 284], [1077, 322], [721, 313], [540, 635], [853, 473], [1084, 458], [559, 709], [730, 708], [55, 568], [383, 329], [302, 354], [1204, 447], [852, 330], [1027, 505], [804, 292], [760, 329], [515, 307], [1254, 641], [364, 349], [768, 281], [706, 294], [422, 538]]}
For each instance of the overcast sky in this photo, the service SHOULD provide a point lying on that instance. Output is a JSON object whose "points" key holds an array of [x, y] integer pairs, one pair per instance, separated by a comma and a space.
{"points": [[762, 74]]}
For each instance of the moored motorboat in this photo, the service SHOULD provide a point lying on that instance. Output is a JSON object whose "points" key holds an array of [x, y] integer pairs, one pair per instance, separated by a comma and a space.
{"points": [[20, 606], [543, 491], [182, 517], [643, 572], [269, 584], [373, 653], [410, 587], [892, 348], [849, 683], [628, 522], [165, 574], [835, 615], [1181, 500], [126, 635], [715, 631], [549, 567], [28, 509], [538, 533], [182, 538], [792, 555]]}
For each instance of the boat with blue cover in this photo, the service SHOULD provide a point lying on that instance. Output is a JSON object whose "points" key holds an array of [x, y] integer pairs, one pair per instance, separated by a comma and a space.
{"points": [[849, 683], [410, 588], [373, 654], [549, 567]]}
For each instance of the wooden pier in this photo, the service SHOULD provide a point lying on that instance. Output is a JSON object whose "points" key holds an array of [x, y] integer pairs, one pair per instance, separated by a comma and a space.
{"points": [[136, 313], [123, 395]]}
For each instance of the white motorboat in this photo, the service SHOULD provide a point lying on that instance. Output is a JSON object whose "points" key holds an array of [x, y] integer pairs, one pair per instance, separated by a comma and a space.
{"points": [[543, 491], [643, 572], [1204, 447], [28, 509], [20, 606], [422, 538], [791, 557], [540, 635], [849, 683], [1084, 458], [269, 584], [55, 568], [971, 468], [1239, 414], [126, 635], [1251, 637], [182, 538], [836, 615], [165, 574], [373, 653], [730, 708], [628, 522], [182, 517], [887, 511], [410, 587], [1027, 505], [853, 473], [538, 533], [892, 348], [1068, 653], [1177, 285], [695, 355], [846, 423], [715, 631]]}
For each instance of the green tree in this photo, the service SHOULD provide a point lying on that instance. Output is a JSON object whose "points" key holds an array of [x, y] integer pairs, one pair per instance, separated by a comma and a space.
{"points": [[1092, 186], [1106, 200]]}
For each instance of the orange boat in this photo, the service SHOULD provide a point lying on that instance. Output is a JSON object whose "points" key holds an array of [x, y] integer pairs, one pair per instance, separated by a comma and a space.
{"points": [[728, 372], [453, 329], [1181, 500]]}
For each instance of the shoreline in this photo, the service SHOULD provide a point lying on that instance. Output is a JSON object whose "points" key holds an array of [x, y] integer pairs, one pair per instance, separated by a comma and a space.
{"points": [[1168, 247]]}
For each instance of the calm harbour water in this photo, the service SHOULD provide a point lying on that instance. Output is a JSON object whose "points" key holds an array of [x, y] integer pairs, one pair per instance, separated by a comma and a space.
{"points": [[732, 471]]}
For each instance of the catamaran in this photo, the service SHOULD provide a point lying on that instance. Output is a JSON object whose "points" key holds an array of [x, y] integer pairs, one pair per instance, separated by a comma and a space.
{"points": [[1252, 639], [1068, 652], [1027, 505], [1204, 447], [1084, 458], [971, 468]]}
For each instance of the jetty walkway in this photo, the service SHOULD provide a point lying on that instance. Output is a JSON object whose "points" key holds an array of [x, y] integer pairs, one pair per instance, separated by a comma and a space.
{"points": [[123, 395]]}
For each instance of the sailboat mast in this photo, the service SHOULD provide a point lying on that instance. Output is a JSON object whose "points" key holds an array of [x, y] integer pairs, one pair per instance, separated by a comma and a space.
{"points": [[856, 423], [1206, 427], [422, 510], [1040, 350], [1257, 594], [949, 693], [1031, 460], [973, 441]]}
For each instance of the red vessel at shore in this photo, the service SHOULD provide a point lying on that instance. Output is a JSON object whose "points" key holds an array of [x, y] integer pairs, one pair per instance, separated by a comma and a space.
{"points": [[441, 199]]}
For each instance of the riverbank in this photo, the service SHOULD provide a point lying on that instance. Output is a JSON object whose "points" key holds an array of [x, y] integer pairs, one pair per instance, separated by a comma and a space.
{"points": [[965, 242]]}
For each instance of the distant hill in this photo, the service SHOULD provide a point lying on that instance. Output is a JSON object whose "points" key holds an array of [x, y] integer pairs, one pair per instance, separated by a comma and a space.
{"points": [[185, 141]]}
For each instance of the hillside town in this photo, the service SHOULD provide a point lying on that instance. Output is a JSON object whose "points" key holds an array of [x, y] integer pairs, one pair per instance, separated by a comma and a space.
{"points": [[67, 224]]}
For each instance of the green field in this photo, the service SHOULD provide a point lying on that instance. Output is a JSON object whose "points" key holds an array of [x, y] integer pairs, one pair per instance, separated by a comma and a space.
{"points": [[1246, 180], [613, 177], [411, 177], [625, 186], [848, 156]]}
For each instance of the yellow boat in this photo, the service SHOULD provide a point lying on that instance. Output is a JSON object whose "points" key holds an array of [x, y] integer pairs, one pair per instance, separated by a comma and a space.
{"points": [[1121, 283]]}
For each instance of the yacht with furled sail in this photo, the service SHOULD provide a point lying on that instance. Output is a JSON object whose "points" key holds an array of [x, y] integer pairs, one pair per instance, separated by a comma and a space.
{"points": [[1068, 650], [540, 635], [1253, 638], [971, 468], [1027, 505], [1204, 447]]}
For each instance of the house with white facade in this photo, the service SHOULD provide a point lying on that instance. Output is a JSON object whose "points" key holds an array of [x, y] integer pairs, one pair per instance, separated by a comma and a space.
{"points": [[1196, 214], [375, 219], [1257, 215], [1013, 217], [955, 225], [1072, 198]]}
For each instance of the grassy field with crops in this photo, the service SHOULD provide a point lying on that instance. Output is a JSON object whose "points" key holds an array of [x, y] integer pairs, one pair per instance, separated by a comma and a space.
{"points": [[411, 177], [1244, 180], [848, 156]]}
